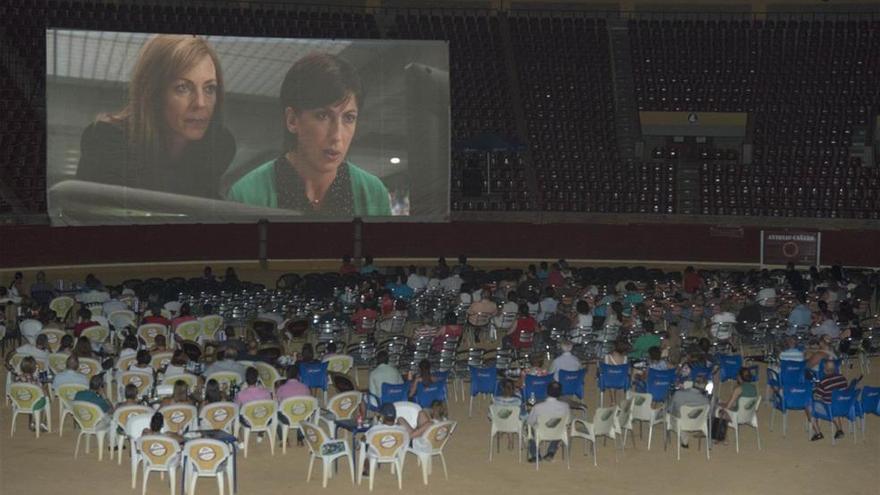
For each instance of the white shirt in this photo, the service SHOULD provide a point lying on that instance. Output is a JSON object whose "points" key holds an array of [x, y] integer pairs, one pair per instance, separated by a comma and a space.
{"points": [[548, 307], [30, 329], [384, 373], [416, 281], [585, 321], [172, 370], [113, 305], [69, 376], [550, 408], [566, 362], [510, 307], [31, 350], [451, 284]]}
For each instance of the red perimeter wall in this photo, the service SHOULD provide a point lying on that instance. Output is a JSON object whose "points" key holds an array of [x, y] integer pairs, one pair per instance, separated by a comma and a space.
{"points": [[47, 246]]}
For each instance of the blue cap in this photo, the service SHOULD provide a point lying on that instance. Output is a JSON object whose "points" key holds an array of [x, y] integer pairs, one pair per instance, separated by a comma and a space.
{"points": [[388, 411]]}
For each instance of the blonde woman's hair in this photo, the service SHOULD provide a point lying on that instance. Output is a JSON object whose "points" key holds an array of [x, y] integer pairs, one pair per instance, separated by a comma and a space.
{"points": [[163, 58]]}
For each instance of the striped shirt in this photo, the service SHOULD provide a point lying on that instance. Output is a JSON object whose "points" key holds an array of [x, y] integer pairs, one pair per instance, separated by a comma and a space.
{"points": [[823, 390]]}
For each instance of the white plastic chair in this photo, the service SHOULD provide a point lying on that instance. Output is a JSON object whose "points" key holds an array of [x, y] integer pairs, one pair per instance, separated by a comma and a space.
{"points": [[134, 429], [160, 360], [30, 329], [340, 407], [189, 330], [65, 395], [642, 411], [408, 411], [431, 444], [321, 446], [261, 416], [746, 414], [121, 417], [220, 416], [384, 445], [29, 399], [92, 421], [173, 307], [210, 325], [623, 422], [143, 381], [550, 429], [268, 374], [180, 417], [206, 457], [89, 367], [148, 332], [693, 419], [58, 362], [53, 336], [505, 419], [96, 334], [339, 363], [295, 410], [61, 306], [601, 426], [159, 453]]}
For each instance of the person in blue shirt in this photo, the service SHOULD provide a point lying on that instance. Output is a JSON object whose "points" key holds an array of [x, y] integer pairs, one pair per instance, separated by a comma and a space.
{"points": [[398, 287], [800, 316], [543, 271], [368, 267]]}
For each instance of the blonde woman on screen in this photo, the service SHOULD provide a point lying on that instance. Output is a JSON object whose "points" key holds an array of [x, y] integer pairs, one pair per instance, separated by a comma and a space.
{"points": [[320, 98], [169, 137]]}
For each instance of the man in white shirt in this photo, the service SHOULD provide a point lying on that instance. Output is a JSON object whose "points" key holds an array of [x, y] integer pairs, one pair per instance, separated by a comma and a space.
{"points": [[418, 279], [114, 304], [550, 408], [228, 363], [451, 283], [70, 375], [565, 361], [40, 351], [383, 373], [548, 304]]}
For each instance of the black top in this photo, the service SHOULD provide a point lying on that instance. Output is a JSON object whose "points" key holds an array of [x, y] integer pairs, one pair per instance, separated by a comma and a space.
{"points": [[292, 191], [105, 157]]}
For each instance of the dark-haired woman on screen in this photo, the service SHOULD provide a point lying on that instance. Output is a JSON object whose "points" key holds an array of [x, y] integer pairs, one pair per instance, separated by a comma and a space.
{"points": [[320, 98], [170, 136]]}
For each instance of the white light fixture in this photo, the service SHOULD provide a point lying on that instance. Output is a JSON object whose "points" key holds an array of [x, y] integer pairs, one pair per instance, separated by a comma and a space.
{"points": [[395, 160]]}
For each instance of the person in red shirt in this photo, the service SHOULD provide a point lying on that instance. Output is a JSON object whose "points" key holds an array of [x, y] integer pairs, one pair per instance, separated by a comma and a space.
{"points": [[822, 394], [451, 328], [522, 334], [368, 312], [347, 266], [184, 316], [555, 278], [692, 281], [156, 317], [85, 321]]}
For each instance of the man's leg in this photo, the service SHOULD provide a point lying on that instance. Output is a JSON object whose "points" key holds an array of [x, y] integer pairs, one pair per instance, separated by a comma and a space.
{"points": [[533, 450], [551, 449]]}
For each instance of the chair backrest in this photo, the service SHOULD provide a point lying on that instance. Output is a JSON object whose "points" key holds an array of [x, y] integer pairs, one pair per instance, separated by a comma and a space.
{"points": [[96, 334], [143, 381], [842, 402], [67, 391], [483, 380], [387, 443], [552, 427], [659, 383], [729, 365], [701, 372], [870, 400], [210, 325], [427, 393], [188, 378], [15, 361], [340, 363], [58, 361], [505, 418], [225, 378], [603, 421], [61, 306], [179, 417], [439, 433], [299, 408], [219, 415], [797, 396], [137, 423], [507, 320], [408, 411], [158, 450], [693, 418], [398, 323], [268, 374], [122, 317], [189, 330], [148, 332], [206, 455], [25, 395], [344, 405], [259, 412], [394, 393], [122, 364], [536, 385], [54, 336], [173, 307], [314, 436], [313, 375], [89, 367], [792, 372], [641, 407], [613, 376], [573, 382], [623, 417], [747, 408], [86, 414], [124, 413], [161, 359]]}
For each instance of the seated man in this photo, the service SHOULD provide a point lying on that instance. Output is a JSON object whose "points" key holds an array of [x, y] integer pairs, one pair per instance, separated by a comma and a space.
{"points": [[228, 363], [70, 375], [690, 394], [291, 387], [551, 407], [822, 393], [251, 391], [645, 341], [480, 313], [565, 361], [383, 373], [95, 395]]}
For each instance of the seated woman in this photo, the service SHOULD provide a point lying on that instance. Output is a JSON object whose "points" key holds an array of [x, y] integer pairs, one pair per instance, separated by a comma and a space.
{"points": [[427, 417], [142, 363], [423, 378], [180, 395], [213, 393], [157, 424], [617, 357], [159, 344], [521, 334], [450, 328], [83, 348], [536, 368], [177, 366], [321, 96]]}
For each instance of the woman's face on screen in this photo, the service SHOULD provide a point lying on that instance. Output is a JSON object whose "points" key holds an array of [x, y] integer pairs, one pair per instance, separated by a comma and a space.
{"points": [[190, 100], [324, 134]]}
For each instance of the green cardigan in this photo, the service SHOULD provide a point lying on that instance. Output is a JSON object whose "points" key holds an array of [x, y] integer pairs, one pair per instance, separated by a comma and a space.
{"points": [[368, 193]]}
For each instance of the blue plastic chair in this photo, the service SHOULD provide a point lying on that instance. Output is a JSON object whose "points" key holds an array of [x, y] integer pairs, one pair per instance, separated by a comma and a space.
{"points": [[573, 382], [483, 381], [394, 393], [314, 375], [791, 398], [660, 383], [704, 372], [868, 403], [612, 377], [842, 406], [426, 394], [729, 366], [536, 385], [790, 373]]}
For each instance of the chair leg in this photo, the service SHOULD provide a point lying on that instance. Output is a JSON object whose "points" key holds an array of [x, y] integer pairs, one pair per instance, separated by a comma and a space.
{"points": [[171, 479], [144, 484], [372, 472], [736, 431], [36, 416], [351, 468], [311, 465], [400, 475], [285, 431], [247, 435], [595, 461], [271, 434], [443, 461], [76, 450], [491, 442], [100, 436], [424, 463]]}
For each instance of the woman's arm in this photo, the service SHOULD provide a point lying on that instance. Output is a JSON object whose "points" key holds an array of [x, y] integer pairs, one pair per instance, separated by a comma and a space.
{"points": [[733, 398]]}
